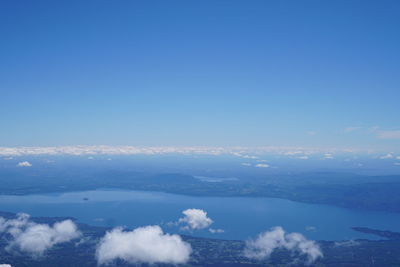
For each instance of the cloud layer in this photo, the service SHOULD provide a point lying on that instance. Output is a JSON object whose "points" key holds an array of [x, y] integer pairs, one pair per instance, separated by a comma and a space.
{"points": [[241, 152], [263, 246], [34, 238], [142, 245]]}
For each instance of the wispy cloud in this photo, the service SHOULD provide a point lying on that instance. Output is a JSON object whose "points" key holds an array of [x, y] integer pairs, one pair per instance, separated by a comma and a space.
{"points": [[389, 134], [216, 231], [347, 243], [387, 156], [303, 157], [262, 165], [351, 129]]}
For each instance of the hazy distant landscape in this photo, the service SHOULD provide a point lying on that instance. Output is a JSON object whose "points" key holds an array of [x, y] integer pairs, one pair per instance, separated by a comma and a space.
{"points": [[227, 176], [222, 187]]}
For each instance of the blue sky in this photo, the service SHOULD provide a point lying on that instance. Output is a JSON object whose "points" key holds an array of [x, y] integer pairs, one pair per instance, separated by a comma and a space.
{"points": [[223, 73]]}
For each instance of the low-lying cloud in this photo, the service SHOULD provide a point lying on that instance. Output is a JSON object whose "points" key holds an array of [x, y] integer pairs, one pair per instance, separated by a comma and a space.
{"points": [[24, 164], [241, 152], [262, 165], [34, 238], [216, 231], [263, 246], [195, 219], [347, 243], [142, 245], [387, 156]]}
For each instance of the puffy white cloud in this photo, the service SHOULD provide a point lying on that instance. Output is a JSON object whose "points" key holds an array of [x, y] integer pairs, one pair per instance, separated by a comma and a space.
{"points": [[263, 246], [5, 265], [34, 238], [195, 219], [142, 245], [24, 164], [262, 165]]}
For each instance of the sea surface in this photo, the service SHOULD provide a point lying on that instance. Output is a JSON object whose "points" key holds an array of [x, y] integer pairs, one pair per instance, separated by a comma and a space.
{"points": [[238, 217]]}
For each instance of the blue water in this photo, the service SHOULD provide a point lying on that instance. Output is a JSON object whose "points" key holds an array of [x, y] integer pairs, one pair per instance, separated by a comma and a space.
{"points": [[240, 218]]}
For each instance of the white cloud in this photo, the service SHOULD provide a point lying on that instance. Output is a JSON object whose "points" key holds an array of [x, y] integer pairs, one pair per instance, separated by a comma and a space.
{"points": [[92, 151], [216, 231], [34, 238], [195, 219], [293, 153], [263, 246], [5, 265], [311, 228], [351, 129], [24, 164], [262, 165], [303, 157], [398, 157], [389, 134], [328, 156], [142, 245], [387, 156], [246, 164], [347, 243]]}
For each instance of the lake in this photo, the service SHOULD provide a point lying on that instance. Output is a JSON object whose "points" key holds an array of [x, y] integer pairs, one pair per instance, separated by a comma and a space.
{"points": [[240, 218]]}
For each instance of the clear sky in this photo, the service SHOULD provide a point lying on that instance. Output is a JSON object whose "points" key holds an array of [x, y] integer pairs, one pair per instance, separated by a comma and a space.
{"points": [[296, 73]]}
